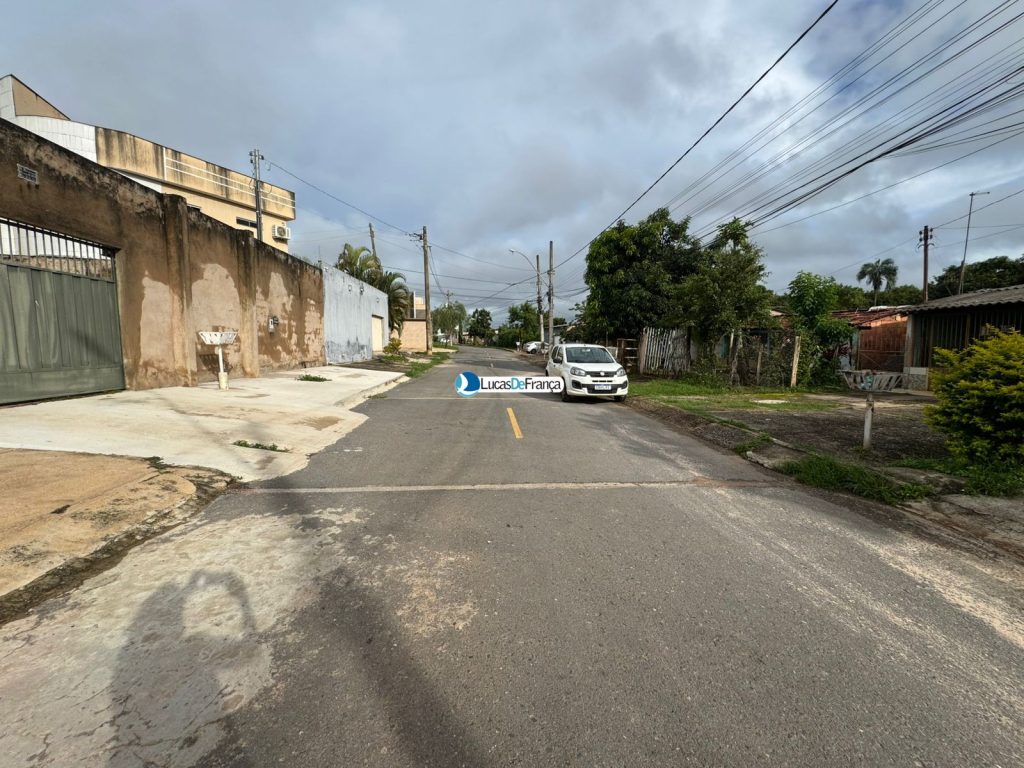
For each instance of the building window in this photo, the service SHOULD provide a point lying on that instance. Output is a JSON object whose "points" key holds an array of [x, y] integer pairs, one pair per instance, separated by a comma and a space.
{"points": [[246, 222]]}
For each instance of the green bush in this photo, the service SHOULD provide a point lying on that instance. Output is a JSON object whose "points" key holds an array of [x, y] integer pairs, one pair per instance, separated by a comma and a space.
{"points": [[980, 395], [393, 347]]}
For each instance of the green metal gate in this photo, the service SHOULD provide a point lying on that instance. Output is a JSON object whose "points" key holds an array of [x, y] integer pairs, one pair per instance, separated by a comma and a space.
{"points": [[59, 328]]}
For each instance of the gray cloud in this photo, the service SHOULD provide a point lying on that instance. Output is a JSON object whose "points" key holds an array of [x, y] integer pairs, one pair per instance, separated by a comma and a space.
{"points": [[502, 125]]}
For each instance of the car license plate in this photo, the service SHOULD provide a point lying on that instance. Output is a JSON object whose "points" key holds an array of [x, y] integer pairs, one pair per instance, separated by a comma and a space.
{"points": [[602, 387]]}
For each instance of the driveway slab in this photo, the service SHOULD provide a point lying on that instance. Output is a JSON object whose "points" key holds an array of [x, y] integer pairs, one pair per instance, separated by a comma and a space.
{"points": [[198, 426]]}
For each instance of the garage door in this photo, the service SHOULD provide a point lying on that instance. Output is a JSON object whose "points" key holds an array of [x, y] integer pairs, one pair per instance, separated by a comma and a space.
{"points": [[59, 327], [378, 333]]}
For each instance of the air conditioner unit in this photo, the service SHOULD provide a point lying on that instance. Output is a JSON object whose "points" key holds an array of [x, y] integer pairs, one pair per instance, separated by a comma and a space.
{"points": [[281, 232]]}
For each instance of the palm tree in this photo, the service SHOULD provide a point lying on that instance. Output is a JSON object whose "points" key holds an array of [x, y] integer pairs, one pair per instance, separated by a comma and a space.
{"points": [[394, 287], [876, 272], [359, 262]]}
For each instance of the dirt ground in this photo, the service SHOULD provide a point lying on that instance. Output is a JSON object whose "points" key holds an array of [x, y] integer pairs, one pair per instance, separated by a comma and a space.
{"points": [[898, 430], [57, 508]]}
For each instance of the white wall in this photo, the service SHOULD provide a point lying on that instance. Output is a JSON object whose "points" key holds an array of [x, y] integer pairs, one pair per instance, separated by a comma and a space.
{"points": [[349, 306], [78, 137]]}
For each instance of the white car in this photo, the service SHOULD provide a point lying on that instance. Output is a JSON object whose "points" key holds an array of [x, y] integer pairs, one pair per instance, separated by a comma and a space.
{"points": [[532, 347], [588, 370]]}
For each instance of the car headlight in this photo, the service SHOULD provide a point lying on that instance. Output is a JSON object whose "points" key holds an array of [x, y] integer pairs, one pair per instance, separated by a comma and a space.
{"points": [[577, 372], [620, 372]]}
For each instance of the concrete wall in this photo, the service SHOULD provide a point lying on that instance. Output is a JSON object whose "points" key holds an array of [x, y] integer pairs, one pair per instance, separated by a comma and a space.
{"points": [[414, 335], [178, 271], [349, 305]]}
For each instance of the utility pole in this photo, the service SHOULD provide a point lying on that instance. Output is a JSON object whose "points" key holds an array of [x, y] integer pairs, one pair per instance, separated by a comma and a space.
{"points": [[925, 240], [373, 242], [963, 262], [551, 291], [256, 157], [426, 288], [540, 306]]}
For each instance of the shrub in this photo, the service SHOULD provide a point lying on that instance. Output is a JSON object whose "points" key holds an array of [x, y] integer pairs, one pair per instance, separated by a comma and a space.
{"points": [[980, 395], [393, 347]]}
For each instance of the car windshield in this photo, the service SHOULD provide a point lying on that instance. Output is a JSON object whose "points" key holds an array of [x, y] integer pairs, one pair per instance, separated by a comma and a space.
{"points": [[588, 355]]}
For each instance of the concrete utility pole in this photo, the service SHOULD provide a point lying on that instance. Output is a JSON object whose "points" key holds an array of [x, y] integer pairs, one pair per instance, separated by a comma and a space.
{"points": [[426, 289], [540, 305], [255, 157], [551, 291], [925, 240], [373, 242], [967, 237]]}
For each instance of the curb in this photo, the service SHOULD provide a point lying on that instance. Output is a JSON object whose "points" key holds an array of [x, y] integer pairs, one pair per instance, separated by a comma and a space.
{"points": [[61, 579]]}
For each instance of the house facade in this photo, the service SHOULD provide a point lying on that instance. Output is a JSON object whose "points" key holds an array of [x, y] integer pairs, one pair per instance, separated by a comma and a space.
{"points": [[221, 193], [954, 322]]}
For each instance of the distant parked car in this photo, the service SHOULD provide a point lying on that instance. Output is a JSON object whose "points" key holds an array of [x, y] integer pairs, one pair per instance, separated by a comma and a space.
{"points": [[532, 347]]}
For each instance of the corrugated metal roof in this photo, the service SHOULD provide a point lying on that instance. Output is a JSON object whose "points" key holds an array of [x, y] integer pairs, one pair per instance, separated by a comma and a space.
{"points": [[1013, 294]]}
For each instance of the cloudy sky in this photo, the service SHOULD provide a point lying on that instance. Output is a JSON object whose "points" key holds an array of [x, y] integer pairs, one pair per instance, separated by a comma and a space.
{"points": [[504, 125]]}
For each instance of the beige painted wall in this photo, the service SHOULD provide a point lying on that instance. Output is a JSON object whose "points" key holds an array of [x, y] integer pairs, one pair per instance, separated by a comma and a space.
{"points": [[414, 336], [178, 271]]}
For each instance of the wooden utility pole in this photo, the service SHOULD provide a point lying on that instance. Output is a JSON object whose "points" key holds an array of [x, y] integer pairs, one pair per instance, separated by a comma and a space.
{"points": [[926, 235], [426, 289], [373, 241], [540, 305], [796, 362], [551, 291]]}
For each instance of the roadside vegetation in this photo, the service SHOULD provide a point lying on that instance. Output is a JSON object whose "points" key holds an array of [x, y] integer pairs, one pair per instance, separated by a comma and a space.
{"points": [[312, 377], [261, 446], [835, 475]]}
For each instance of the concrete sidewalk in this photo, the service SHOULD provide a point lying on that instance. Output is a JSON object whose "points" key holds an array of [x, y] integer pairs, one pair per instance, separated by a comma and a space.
{"points": [[198, 426]]}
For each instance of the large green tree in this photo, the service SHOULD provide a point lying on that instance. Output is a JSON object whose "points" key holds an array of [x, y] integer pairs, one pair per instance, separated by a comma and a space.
{"points": [[998, 272], [479, 324], [633, 271], [725, 292], [877, 272], [525, 320], [449, 319]]}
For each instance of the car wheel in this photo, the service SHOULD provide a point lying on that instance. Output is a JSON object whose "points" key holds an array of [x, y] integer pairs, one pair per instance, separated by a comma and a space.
{"points": [[566, 397]]}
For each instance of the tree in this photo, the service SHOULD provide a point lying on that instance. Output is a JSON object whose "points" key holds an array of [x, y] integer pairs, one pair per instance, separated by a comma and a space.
{"points": [[394, 287], [903, 294], [851, 297], [524, 319], [358, 262], [812, 299], [361, 264], [633, 272], [479, 324], [877, 272], [998, 272], [725, 293], [449, 319]]}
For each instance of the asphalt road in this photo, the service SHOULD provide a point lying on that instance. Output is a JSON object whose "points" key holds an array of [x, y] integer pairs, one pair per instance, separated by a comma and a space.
{"points": [[601, 591]]}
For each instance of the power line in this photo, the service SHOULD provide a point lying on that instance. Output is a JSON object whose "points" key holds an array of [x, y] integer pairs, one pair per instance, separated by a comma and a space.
{"points": [[708, 131]]}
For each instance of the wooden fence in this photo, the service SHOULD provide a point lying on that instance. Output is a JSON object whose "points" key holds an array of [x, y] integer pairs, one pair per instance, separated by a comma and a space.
{"points": [[664, 350]]}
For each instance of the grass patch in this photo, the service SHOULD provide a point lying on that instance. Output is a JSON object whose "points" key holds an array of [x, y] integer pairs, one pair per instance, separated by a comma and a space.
{"points": [[825, 472], [378, 396], [260, 446], [419, 367], [753, 444], [312, 377], [706, 398], [981, 480], [393, 358]]}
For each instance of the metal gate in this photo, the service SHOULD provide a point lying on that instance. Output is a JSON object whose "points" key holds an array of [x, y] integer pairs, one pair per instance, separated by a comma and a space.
{"points": [[59, 326]]}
